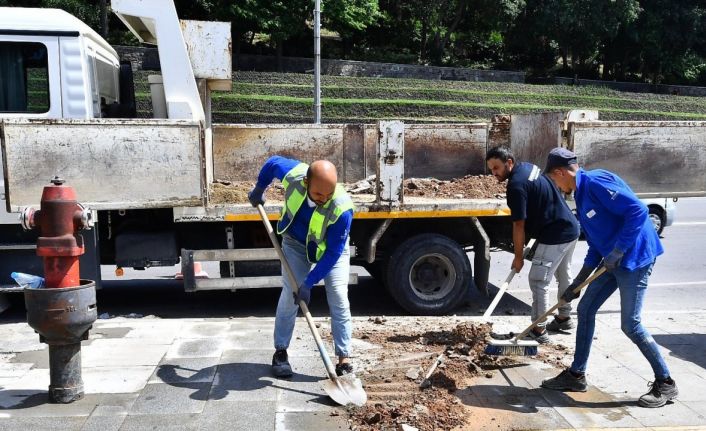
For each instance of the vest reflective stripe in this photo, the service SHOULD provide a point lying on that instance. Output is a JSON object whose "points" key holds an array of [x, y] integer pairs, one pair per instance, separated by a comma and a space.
{"points": [[322, 218], [295, 194]]}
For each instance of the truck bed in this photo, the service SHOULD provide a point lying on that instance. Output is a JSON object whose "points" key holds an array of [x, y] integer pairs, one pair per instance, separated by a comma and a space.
{"points": [[366, 208]]}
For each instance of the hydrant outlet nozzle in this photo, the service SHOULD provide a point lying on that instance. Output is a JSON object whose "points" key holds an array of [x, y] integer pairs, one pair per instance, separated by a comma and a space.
{"points": [[27, 217]]}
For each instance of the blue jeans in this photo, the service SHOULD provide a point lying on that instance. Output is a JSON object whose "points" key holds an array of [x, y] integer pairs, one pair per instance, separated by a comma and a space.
{"points": [[632, 286], [336, 283]]}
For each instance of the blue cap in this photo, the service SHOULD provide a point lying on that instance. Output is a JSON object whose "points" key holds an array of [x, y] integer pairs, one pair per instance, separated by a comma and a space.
{"points": [[559, 158]]}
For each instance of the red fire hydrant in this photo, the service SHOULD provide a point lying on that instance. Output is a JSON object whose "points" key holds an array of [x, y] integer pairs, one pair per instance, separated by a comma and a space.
{"points": [[59, 219], [63, 311]]}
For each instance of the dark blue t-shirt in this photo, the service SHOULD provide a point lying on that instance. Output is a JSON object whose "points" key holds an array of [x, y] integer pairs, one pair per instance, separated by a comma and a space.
{"points": [[534, 198]]}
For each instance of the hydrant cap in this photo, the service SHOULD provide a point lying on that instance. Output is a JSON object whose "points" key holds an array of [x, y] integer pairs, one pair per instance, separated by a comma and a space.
{"points": [[57, 181]]}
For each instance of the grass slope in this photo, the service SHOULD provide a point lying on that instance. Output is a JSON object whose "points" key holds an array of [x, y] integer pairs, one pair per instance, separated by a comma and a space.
{"points": [[277, 97]]}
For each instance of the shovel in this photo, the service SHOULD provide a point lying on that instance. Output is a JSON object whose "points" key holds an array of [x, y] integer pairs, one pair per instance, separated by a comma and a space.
{"points": [[530, 249], [344, 390]]}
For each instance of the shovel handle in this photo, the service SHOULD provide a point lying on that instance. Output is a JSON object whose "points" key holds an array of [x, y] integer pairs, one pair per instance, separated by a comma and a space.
{"points": [[330, 370], [507, 282], [499, 295], [561, 302]]}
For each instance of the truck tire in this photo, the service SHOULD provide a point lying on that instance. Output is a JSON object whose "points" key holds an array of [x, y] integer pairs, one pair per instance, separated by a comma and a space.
{"points": [[657, 217], [429, 274]]}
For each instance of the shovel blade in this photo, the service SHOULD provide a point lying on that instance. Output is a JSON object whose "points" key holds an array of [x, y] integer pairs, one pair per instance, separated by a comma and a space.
{"points": [[345, 390]]}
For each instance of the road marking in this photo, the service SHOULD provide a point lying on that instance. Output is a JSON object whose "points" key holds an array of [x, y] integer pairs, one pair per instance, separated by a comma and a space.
{"points": [[667, 312], [689, 223], [683, 283]]}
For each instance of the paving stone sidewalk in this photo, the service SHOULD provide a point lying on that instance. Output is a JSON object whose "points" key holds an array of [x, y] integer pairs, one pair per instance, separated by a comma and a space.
{"points": [[212, 374]]}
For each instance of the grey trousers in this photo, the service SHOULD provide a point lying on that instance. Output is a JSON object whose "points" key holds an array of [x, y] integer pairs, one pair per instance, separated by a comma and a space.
{"points": [[550, 260]]}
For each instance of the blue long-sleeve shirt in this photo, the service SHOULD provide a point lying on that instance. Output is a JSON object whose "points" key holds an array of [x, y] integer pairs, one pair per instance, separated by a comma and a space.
{"points": [[613, 217], [336, 234]]}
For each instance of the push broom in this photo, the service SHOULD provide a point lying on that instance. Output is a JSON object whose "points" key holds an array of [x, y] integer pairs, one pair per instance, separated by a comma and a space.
{"points": [[516, 346]]}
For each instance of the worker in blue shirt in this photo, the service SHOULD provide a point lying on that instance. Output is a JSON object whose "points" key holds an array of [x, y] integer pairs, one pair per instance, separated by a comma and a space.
{"points": [[314, 224], [620, 234]]}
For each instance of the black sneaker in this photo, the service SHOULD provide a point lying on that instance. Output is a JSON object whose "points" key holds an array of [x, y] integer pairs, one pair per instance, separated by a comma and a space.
{"points": [[566, 381], [660, 393], [344, 368], [280, 364], [498, 336], [542, 338], [557, 325]]}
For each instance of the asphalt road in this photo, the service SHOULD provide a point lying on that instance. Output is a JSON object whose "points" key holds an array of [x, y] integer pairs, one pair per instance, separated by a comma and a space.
{"points": [[677, 286], [678, 281]]}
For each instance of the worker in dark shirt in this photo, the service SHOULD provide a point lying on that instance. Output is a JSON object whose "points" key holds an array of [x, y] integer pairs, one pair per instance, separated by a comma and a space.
{"points": [[538, 210], [620, 235], [314, 224]]}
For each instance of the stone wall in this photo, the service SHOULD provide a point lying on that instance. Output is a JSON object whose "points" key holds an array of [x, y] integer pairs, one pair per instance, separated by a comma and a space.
{"points": [[633, 87], [148, 59]]}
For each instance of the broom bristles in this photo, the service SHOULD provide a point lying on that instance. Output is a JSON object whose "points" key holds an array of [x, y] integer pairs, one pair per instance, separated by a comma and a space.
{"points": [[511, 350]]}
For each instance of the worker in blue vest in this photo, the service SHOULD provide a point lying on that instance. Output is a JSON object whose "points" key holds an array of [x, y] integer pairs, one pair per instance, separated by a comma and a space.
{"points": [[620, 234], [538, 210], [314, 224]]}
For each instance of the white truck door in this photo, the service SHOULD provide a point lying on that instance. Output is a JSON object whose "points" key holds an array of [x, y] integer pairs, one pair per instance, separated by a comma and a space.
{"points": [[31, 87]]}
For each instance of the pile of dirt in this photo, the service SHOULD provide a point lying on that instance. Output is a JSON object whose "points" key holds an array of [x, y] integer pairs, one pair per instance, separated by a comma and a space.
{"points": [[236, 192], [468, 187], [392, 380]]}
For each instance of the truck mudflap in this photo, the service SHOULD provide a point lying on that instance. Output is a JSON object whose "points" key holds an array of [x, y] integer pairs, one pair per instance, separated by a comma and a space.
{"points": [[113, 164]]}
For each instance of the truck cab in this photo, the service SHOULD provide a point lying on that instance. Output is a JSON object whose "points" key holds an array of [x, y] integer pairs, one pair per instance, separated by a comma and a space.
{"points": [[53, 66]]}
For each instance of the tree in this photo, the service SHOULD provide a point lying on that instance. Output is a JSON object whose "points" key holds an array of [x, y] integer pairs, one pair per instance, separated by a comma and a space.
{"points": [[668, 33]]}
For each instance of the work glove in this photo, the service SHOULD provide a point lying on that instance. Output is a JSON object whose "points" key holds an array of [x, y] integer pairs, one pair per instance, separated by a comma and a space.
{"points": [[257, 196], [582, 276], [612, 261], [304, 294]]}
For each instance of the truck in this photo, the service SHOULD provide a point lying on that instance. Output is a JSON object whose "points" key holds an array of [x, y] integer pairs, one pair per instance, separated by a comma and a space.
{"points": [[67, 109]]}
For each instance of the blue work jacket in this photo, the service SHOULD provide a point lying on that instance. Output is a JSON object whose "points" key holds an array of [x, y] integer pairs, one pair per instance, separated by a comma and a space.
{"points": [[612, 216]]}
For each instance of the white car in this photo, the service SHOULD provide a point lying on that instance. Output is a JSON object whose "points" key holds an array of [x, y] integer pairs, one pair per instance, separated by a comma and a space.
{"points": [[662, 212]]}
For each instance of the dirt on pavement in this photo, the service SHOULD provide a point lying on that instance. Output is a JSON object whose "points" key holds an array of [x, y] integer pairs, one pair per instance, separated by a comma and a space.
{"points": [[397, 354], [392, 374]]}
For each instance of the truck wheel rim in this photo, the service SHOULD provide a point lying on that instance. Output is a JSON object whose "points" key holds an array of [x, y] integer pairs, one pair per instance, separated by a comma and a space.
{"points": [[432, 277], [656, 221]]}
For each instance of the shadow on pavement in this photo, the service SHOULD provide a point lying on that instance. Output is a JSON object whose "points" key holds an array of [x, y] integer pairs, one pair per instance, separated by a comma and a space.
{"points": [[233, 378], [527, 400], [689, 347]]}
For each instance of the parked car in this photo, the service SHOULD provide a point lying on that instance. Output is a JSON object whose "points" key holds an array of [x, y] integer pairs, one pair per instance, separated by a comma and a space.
{"points": [[662, 212]]}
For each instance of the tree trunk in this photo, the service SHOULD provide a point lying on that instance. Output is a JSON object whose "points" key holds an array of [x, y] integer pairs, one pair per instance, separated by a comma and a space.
{"points": [[423, 43], [452, 28], [279, 50], [565, 59], [235, 38]]}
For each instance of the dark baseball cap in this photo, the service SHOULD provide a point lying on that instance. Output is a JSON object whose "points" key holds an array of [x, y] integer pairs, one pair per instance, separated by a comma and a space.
{"points": [[559, 158]]}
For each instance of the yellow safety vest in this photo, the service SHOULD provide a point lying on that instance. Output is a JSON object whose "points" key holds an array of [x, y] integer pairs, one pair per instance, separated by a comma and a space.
{"points": [[295, 194]]}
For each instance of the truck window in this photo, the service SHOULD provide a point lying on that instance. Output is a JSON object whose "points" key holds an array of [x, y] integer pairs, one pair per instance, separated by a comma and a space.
{"points": [[24, 78]]}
